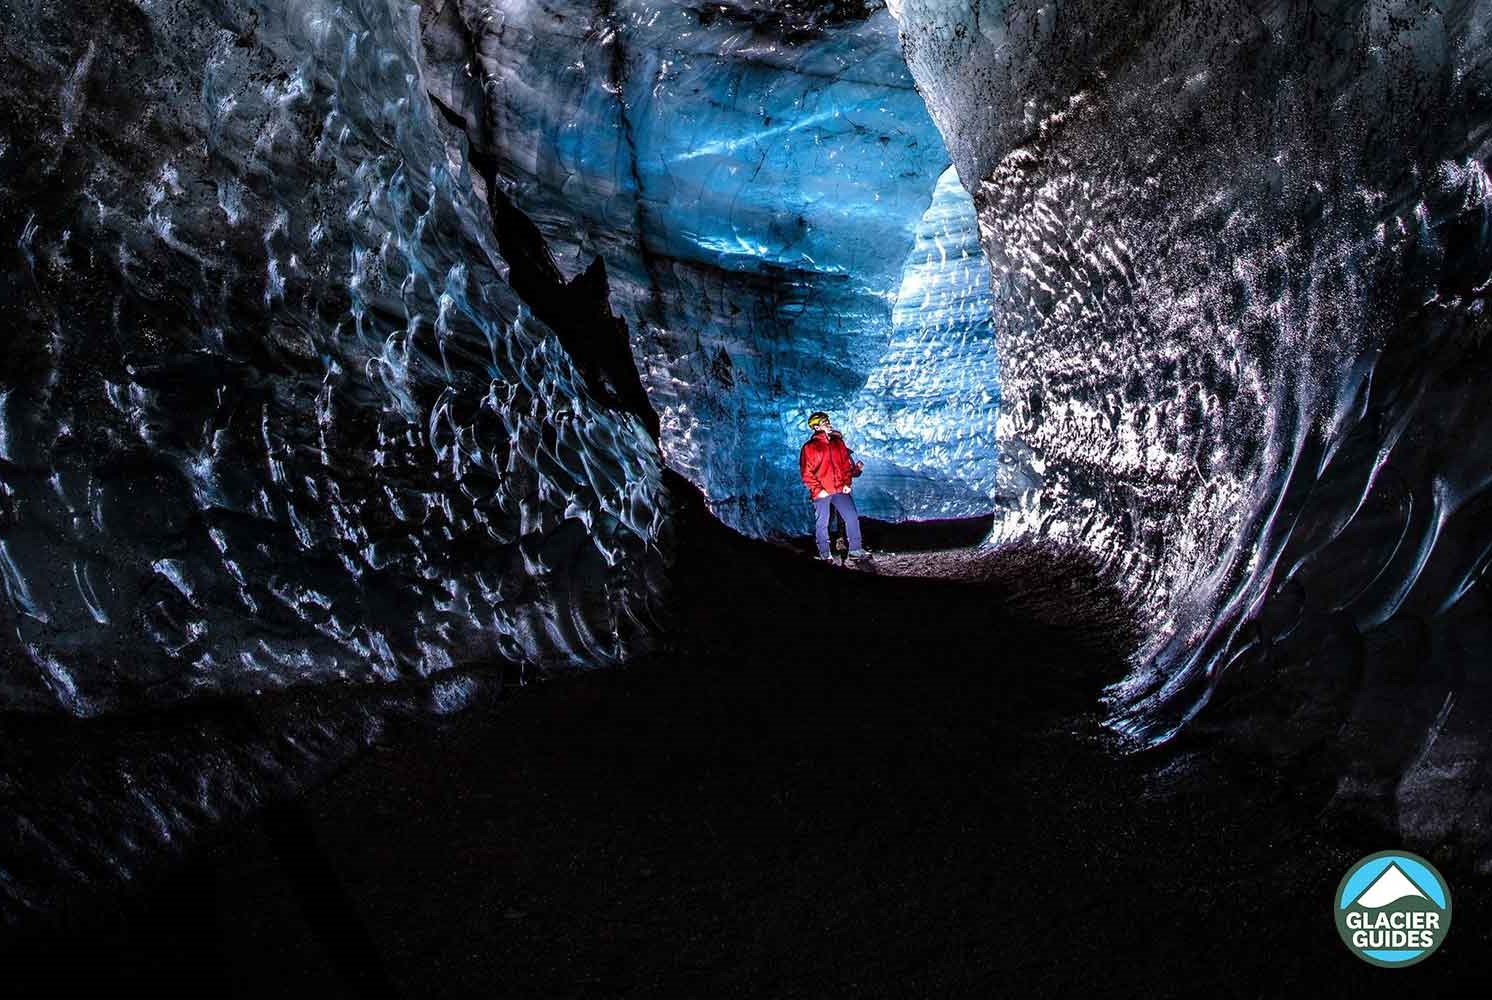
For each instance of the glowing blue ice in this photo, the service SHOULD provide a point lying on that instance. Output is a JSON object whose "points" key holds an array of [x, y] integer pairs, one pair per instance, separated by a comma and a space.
{"points": [[926, 417], [755, 202]]}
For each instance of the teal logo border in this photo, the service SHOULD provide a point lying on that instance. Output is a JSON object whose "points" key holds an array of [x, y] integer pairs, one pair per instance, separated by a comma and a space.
{"points": [[1338, 905]]}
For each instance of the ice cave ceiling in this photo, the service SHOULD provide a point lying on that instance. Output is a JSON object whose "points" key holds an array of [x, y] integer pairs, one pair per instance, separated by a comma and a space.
{"points": [[321, 315]]}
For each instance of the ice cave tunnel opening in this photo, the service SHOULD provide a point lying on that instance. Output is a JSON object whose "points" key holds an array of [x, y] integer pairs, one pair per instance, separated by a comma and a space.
{"points": [[783, 232], [286, 410]]}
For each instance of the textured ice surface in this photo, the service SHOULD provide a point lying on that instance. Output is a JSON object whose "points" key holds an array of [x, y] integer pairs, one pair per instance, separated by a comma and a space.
{"points": [[1241, 259], [755, 176], [269, 411], [932, 401]]}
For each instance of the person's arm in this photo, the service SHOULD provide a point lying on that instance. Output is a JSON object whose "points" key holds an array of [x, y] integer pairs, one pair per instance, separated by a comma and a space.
{"points": [[808, 469], [854, 467]]}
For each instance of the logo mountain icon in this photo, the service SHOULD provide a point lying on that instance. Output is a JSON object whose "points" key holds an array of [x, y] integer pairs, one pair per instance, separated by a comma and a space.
{"points": [[1392, 909], [1390, 887]]}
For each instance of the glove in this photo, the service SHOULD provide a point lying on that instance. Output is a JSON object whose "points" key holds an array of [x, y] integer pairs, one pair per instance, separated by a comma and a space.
{"points": [[845, 490]]}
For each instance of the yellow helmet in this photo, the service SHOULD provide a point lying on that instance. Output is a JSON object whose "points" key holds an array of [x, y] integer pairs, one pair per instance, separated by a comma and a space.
{"points": [[816, 418]]}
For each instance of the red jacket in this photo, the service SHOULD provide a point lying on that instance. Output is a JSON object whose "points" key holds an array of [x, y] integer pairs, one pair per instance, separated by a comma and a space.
{"points": [[825, 464]]}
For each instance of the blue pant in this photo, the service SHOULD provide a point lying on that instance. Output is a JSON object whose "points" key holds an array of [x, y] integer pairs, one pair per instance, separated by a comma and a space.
{"points": [[845, 504]]}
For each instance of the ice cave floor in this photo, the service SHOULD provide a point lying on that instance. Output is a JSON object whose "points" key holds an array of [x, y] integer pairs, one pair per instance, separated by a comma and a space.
{"points": [[835, 784]]}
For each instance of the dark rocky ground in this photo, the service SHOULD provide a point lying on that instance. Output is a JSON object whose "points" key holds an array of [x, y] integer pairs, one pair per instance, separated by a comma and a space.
{"points": [[836, 783]]}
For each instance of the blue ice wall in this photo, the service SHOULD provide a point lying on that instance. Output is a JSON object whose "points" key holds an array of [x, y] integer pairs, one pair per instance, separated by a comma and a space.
{"points": [[756, 186], [928, 412]]}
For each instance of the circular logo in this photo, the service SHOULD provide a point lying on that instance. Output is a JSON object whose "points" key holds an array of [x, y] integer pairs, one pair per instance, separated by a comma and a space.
{"points": [[1393, 909]]}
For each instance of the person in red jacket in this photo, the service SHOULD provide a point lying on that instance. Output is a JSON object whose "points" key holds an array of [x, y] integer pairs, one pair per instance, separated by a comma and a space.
{"points": [[827, 469]]}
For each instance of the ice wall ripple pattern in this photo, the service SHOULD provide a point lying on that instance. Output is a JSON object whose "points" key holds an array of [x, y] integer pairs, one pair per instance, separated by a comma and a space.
{"points": [[270, 413], [928, 413], [1241, 258]]}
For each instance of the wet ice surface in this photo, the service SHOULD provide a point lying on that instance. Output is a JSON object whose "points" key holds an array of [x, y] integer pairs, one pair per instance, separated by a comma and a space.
{"points": [[1241, 260], [271, 414], [760, 178], [932, 401]]}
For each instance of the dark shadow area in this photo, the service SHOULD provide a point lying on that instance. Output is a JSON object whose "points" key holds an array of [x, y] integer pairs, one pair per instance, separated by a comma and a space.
{"points": [[914, 536], [836, 782]]}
